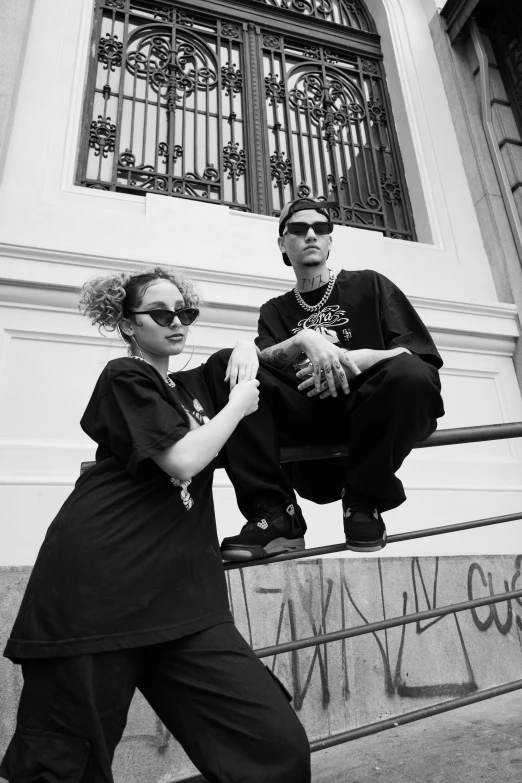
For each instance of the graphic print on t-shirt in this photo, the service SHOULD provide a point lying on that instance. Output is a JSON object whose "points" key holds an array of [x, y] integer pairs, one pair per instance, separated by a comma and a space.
{"points": [[185, 496], [323, 321], [197, 418]]}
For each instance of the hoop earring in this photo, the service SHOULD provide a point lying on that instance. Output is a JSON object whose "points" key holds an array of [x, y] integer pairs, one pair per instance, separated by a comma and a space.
{"points": [[191, 353], [124, 341], [141, 356]]}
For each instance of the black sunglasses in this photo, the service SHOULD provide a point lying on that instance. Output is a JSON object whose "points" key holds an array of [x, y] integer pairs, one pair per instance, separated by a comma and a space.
{"points": [[187, 315], [302, 229]]}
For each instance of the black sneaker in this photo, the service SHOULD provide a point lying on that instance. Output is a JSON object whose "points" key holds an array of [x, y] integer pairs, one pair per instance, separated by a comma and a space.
{"points": [[363, 527], [273, 530]]}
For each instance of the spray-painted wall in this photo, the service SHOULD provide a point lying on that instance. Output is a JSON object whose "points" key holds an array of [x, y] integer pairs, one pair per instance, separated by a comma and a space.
{"points": [[347, 683]]}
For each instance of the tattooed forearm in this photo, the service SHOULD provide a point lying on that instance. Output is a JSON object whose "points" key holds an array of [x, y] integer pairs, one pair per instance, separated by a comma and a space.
{"points": [[310, 283], [274, 356]]}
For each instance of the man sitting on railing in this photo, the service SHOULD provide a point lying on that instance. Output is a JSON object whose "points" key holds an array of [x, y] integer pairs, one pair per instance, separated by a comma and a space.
{"points": [[343, 358]]}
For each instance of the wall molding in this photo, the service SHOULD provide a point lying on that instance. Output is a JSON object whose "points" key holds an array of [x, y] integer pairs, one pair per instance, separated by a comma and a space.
{"points": [[471, 326], [71, 258], [199, 274]]}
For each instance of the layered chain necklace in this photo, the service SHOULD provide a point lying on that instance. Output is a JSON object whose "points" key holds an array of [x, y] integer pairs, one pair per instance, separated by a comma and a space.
{"points": [[314, 308]]}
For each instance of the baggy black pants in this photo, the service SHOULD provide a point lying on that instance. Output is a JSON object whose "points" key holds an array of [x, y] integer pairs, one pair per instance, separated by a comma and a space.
{"points": [[210, 690], [391, 407]]}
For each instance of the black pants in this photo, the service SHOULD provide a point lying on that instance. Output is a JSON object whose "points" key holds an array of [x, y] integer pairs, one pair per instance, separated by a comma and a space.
{"points": [[209, 689], [391, 407]]}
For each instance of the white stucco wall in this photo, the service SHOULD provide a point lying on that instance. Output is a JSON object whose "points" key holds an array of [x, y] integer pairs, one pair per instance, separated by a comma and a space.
{"points": [[54, 235]]}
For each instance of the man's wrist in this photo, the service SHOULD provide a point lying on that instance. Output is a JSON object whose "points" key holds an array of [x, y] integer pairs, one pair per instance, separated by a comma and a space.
{"points": [[304, 336], [300, 338]]}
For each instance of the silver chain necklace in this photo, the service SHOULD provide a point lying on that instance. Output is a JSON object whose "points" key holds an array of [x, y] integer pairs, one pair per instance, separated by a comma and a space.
{"points": [[313, 308], [167, 380]]}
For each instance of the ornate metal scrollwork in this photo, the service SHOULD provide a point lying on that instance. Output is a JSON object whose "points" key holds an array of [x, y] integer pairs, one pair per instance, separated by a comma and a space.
{"points": [[110, 52], [320, 53], [324, 8], [231, 78], [167, 14], [377, 112], [368, 67], [391, 189], [325, 108], [352, 5], [333, 100], [230, 31], [234, 160], [127, 159], [271, 42], [102, 137], [281, 168], [163, 151], [211, 173], [348, 13], [274, 89], [179, 71], [361, 212], [145, 178]]}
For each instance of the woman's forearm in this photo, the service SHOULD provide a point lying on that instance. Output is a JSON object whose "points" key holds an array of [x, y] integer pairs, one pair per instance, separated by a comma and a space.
{"points": [[197, 448]]}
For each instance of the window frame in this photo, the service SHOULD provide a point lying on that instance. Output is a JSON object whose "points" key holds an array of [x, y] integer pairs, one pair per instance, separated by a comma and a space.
{"points": [[253, 16]]}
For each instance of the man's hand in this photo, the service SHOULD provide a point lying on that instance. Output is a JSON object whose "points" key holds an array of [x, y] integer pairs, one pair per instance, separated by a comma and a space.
{"points": [[243, 363], [330, 365], [363, 358]]}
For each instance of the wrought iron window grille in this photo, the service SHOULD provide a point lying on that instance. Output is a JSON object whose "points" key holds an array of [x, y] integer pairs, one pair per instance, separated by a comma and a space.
{"points": [[247, 103]]}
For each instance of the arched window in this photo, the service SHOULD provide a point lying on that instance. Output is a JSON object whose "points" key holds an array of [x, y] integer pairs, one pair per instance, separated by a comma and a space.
{"points": [[247, 103]]}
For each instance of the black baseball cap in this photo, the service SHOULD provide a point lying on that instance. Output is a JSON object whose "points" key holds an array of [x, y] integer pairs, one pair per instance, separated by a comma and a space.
{"points": [[300, 204]]}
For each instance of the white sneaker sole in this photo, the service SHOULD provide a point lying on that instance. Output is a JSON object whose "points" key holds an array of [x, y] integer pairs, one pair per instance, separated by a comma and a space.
{"points": [[276, 547], [374, 546]]}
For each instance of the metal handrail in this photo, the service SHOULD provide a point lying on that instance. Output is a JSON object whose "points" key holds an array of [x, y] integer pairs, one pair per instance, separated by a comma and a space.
{"points": [[394, 539], [381, 625], [397, 720], [450, 437], [409, 717], [444, 437]]}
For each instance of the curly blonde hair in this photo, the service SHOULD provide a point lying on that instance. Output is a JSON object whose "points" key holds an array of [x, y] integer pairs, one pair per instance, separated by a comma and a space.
{"points": [[106, 301]]}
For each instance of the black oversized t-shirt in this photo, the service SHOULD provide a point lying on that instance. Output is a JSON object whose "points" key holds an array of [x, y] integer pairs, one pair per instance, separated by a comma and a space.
{"points": [[364, 310], [132, 557]]}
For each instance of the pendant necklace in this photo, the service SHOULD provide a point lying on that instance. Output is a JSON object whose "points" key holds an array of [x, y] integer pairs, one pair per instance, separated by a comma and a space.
{"points": [[314, 308]]}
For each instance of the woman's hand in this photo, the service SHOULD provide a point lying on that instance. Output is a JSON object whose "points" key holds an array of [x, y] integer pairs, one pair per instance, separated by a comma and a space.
{"points": [[243, 363], [193, 452], [330, 364], [245, 396]]}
